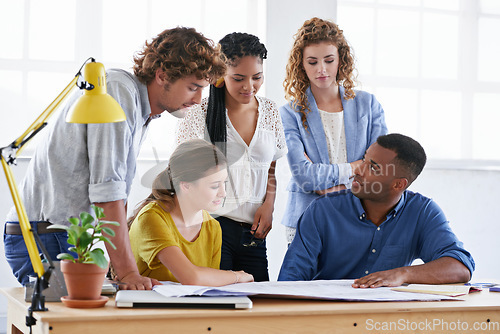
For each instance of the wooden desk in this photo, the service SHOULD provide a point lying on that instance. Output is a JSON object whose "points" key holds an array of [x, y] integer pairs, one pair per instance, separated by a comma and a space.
{"points": [[268, 316]]}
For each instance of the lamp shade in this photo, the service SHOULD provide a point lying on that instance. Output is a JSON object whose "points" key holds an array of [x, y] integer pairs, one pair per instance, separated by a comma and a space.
{"points": [[95, 105]]}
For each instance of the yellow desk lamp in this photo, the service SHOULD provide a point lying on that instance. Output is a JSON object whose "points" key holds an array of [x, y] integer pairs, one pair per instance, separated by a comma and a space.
{"points": [[94, 106]]}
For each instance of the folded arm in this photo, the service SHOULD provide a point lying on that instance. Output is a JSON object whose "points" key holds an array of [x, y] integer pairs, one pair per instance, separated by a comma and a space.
{"points": [[308, 175]]}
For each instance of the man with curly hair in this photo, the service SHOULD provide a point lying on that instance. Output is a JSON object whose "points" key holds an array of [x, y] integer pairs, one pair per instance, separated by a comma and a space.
{"points": [[82, 164]]}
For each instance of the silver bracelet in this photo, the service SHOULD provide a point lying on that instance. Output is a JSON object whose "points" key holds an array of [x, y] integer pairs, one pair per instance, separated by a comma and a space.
{"points": [[237, 278]]}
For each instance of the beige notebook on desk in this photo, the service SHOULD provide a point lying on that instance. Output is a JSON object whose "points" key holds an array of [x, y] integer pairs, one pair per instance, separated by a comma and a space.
{"points": [[438, 289]]}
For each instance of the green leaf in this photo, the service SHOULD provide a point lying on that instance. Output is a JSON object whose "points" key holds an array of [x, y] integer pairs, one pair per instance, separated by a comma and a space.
{"points": [[108, 222], [97, 256], [79, 229], [98, 250], [86, 218], [83, 235], [87, 226], [104, 239], [99, 212], [74, 220], [108, 231], [85, 240], [65, 256], [72, 236], [58, 226]]}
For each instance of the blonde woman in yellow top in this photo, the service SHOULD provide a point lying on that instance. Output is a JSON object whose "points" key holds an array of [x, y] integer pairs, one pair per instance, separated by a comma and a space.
{"points": [[173, 238]]}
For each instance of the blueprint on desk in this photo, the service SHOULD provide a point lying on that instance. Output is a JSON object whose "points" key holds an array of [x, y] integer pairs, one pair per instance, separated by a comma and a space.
{"points": [[322, 289]]}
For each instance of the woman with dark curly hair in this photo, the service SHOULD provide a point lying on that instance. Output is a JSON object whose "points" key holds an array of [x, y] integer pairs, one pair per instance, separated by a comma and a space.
{"points": [[249, 131], [328, 125]]}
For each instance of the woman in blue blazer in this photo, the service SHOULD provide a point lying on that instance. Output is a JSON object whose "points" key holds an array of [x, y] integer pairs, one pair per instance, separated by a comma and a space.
{"points": [[328, 125]]}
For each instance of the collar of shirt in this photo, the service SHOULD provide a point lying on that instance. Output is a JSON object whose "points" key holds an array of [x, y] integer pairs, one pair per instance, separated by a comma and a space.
{"points": [[144, 96], [149, 118], [391, 214]]}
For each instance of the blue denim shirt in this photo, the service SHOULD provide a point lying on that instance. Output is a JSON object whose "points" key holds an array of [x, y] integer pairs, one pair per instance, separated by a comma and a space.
{"points": [[364, 122], [335, 240]]}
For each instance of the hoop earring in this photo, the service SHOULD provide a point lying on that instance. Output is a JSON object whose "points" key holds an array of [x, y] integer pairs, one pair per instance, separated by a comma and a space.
{"points": [[219, 83]]}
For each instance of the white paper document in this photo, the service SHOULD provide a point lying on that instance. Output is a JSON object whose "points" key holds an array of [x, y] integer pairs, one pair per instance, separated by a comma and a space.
{"points": [[324, 289], [440, 289]]}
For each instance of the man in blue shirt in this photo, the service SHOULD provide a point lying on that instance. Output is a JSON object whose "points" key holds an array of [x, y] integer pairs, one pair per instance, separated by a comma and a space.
{"points": [[373, 232]]}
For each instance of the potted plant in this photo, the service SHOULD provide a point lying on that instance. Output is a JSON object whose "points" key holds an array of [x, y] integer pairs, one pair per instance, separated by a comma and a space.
{"points": [[85, 273]]}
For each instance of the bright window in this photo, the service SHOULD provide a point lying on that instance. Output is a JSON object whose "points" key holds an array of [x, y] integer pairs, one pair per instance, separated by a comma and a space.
{"points": [[433, 66]]}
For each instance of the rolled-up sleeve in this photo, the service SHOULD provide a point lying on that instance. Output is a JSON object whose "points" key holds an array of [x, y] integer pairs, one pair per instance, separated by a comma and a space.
{"points": [[110, 150]]}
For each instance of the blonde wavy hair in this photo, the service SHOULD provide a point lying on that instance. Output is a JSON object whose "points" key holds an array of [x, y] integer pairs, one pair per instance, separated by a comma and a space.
{"points": [[296, 82]]}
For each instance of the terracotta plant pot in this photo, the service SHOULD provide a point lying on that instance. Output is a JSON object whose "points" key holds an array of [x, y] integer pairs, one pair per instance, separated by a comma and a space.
{"points": [[83, 280]]}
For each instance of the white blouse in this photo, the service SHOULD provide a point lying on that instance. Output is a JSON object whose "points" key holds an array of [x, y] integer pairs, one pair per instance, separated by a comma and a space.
{"points": [[248, 164], [333, 125]]}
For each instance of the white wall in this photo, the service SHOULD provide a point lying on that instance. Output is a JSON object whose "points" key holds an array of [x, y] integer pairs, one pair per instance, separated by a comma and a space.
{"points": [[469, 198], [284, 18]]}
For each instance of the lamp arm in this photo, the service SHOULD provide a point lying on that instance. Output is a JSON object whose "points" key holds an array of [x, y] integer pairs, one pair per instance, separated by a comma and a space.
{"points": [[24, 223], [8, 155], [40, 122]]}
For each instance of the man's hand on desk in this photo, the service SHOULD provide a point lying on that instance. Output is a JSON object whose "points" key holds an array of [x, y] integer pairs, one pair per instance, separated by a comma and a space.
{"points": [[440, 271], [393, 277], [134, 281]]}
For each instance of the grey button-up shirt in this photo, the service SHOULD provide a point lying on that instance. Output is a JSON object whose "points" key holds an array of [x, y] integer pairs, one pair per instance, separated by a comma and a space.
{"points": [[75, 165]]}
